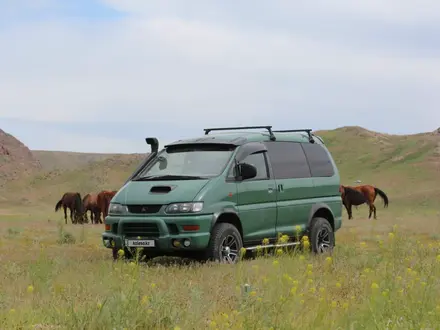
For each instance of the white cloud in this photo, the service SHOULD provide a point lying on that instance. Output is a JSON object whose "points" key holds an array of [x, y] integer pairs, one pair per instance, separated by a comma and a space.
{"points": [[156, 67]]}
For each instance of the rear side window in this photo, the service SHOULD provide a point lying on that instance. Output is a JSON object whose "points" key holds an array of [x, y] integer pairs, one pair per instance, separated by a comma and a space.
{"points": [[319, 161], [288, 160]]}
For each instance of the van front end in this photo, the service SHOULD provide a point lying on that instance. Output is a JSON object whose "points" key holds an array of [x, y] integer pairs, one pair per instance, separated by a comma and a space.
{"points": [[158, 234]]}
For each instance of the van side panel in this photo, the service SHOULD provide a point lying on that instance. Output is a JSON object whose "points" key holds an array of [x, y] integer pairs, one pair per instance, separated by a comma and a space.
{"points": [[295, 188], [326, 179]]}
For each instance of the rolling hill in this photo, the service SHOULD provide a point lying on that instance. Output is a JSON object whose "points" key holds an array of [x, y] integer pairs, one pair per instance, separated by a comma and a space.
{"points": [[407, 167]]}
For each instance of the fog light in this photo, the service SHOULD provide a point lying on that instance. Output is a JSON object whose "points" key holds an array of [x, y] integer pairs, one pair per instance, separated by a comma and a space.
{"points": [[186, 242], [175, 243]]}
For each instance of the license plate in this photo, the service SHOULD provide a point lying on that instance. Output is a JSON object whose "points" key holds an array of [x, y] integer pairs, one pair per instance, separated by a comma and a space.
{"points": [[139, 243]]}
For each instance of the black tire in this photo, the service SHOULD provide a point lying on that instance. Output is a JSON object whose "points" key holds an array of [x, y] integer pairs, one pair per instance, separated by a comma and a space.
{"points": [[224, 234], [322, 237]]}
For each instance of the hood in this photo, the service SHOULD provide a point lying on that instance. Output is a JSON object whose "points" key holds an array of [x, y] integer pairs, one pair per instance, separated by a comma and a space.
{"points": [[139, 192]]}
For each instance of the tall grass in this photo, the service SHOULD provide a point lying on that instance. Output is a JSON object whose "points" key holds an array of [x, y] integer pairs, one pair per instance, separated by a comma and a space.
{"points": [[388, 282]]}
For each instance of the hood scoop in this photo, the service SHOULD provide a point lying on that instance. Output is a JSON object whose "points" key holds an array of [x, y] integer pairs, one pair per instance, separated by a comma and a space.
{"points": [[161, 189]]}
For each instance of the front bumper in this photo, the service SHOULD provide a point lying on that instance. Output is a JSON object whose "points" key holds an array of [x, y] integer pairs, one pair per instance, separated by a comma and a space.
{"points": [[162, 230]]}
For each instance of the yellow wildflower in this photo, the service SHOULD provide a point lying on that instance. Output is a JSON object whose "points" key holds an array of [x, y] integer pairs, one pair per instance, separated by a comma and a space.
{"points": [[306, 244], [438, 258], [275, 262], [121, 252], [338, 285], [153, 285], [212, 324], [302, 302], [363, 244], [279, 252], [259, 299], [144, 300], [312, 290], [345, 305], [99, 305], [390, 235], [301, 257], [284, 239], [374, 285], [30, 289], [334, 304], [12, 311], [253, 293], [398, 278], [297, 228], [322, 290], [265, 241], [329, 260], [309, 266], [176, 328]]}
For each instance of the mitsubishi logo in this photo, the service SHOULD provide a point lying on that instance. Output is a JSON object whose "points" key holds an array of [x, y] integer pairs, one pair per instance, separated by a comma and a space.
{"points": [[144, 209]]}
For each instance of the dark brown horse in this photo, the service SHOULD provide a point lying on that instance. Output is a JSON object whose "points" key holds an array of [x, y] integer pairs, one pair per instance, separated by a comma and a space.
{"points": [[369, 192], [103, 200], [73, 202], [351, 197], [90, 202]]}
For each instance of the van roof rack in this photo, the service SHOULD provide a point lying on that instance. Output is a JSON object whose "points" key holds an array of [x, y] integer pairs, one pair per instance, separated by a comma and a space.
{"points": [[268, 128], [306, 130]]}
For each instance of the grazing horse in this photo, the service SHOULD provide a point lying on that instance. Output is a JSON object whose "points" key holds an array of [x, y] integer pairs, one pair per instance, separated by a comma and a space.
{"points": [[73, 202], [103, 200], [351, 197], [370, 192], [90, 202]]}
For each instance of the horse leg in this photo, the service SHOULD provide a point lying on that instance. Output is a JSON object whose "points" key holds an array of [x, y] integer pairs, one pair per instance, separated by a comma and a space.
{"points": [[65, 213], [349, 211], [71, 215], [374, 210]]}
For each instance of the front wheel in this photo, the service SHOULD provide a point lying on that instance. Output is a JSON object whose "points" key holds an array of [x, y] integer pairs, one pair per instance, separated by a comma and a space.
{"points": [[225, 243], [322, 237]]}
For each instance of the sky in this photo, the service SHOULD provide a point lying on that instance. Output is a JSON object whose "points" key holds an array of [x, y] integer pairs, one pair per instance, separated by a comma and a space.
{"points": [[101, 75]]}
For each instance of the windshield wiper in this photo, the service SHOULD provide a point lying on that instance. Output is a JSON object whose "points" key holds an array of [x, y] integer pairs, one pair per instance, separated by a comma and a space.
{"points": [[168, 177]]}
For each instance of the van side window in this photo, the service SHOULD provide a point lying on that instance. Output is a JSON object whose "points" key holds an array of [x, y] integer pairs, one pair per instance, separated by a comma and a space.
{"points": [[259, 161], [319, 161], [288, 160]]}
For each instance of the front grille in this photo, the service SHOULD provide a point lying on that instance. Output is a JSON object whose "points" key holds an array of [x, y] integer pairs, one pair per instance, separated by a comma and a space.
{"points": [[142, 229], [144, 209]]}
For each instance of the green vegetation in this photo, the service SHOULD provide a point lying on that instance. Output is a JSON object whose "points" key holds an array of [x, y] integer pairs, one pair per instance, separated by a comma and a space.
{"points": [[56, 276]]}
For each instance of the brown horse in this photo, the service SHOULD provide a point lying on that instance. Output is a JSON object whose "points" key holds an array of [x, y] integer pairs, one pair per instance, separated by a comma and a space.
{"points": [[351, 197], [103, 200], [73, 202], [370, 192], [90, 202]]}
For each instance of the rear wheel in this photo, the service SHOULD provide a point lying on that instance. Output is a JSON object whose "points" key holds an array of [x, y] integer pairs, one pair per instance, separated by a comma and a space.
{"points": [[322, 237], [225, 243]]}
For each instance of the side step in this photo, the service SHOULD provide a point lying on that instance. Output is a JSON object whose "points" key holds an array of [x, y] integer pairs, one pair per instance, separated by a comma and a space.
{"points": [[251, 248]]}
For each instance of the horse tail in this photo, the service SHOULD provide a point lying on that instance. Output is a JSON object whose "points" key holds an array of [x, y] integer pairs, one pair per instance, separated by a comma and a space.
{"points": [[58, 206], [78, 203], [383, 195]]}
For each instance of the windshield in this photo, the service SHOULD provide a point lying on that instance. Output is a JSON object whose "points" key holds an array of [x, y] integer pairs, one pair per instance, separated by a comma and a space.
{"points": [[188, 162]]}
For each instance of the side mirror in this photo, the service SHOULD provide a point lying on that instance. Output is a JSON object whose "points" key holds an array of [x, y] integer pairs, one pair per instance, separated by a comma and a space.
{"points": [[247, 171]]}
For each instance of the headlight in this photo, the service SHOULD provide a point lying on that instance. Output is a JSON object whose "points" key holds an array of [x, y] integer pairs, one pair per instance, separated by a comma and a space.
{"points": [[117, 209], [184, 207]]}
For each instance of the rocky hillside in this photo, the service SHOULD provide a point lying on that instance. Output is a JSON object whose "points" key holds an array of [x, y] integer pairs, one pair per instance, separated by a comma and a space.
{"points": [[16, 160]]}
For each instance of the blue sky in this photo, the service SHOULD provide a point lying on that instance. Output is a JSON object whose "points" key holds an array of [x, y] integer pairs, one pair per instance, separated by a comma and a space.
{"points": [[102, 75]]}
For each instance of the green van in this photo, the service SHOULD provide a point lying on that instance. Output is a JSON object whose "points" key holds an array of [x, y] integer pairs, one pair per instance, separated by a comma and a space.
{"points": [[210, 196]]}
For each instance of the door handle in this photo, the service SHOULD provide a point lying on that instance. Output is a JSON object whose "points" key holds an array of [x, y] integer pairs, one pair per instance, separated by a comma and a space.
{"points": [[280, 188]]}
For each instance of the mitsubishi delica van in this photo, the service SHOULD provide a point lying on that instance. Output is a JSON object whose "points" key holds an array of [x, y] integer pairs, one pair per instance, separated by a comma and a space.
{"points": [[208, 197]]}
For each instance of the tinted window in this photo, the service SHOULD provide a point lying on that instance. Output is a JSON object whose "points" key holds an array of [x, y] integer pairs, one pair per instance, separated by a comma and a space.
{"points": [[319, 161], [288, 160]]}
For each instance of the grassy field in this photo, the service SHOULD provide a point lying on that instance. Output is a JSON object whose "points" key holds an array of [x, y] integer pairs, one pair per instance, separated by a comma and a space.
{"points": [[383, 274]]}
